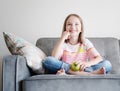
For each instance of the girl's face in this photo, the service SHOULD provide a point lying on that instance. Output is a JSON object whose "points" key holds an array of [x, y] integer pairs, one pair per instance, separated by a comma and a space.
{"points": [[73, 25]]}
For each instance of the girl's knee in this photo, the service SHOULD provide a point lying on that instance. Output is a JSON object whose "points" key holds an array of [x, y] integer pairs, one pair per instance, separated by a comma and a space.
{"points": [[48, 60], [107, 65], [52, 64]]}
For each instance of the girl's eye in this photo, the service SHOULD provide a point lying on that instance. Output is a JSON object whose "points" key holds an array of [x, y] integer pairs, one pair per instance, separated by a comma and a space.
{"points": [[76, 24], [68, 24]]}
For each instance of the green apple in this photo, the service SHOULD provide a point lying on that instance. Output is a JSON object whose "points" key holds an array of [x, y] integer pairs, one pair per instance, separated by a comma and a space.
{"points": [[75, 66]]}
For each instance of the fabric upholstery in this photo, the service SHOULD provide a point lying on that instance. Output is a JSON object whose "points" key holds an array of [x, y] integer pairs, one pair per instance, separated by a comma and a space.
{"points": [[18, 77], [14, 71], [47, 44], [109, 49], [72, 83]]}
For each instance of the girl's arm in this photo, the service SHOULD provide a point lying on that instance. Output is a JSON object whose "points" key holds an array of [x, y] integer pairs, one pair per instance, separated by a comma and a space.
{"points": [[97, 57], [58, 50]]}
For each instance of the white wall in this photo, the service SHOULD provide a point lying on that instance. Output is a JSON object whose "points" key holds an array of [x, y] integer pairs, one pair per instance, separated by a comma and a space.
{"points": [[32, 19]]}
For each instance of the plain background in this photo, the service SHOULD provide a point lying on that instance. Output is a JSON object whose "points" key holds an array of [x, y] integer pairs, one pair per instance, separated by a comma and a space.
{"points": [[33, 19]]}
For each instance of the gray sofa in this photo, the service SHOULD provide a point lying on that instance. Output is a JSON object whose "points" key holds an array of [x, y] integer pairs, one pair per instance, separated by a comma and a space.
{"points": [[18, 77]]}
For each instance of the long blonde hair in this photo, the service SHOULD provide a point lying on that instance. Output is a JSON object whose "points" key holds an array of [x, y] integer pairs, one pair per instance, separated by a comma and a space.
{"points": [[81, 35]]}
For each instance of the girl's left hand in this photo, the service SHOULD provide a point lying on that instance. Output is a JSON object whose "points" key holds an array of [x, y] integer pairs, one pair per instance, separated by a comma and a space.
{"points": [[83, 65]]}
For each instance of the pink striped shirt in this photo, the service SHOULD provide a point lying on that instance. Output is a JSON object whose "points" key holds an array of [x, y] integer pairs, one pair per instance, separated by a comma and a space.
{"points": [[78, 52]]}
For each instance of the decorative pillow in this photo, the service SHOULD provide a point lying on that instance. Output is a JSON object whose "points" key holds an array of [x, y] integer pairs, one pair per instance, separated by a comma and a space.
{"points": [[33, 55]]}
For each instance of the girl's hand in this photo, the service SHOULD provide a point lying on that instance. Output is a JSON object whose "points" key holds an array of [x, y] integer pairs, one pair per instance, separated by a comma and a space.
{"points": [[83, 64], [65, 35]]}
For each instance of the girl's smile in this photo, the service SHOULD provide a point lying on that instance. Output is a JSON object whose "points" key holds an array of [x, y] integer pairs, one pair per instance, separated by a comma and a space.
{"points": [[73, 25]]}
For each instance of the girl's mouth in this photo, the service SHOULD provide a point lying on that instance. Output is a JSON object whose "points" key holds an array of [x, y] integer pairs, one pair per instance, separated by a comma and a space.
{"points": [[71, 31]]}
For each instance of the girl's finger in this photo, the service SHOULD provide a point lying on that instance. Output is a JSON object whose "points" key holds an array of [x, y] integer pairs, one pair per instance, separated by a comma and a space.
{"points": [[77, 62], [82, 67]]}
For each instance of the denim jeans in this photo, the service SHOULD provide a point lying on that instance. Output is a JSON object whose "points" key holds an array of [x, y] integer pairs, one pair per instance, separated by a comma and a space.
{"points": [[52, 65]]}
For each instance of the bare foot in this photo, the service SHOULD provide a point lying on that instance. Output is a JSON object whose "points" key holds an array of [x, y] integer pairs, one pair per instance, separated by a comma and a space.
{"points": [[99, 71], [61, 72], [79, 72]]}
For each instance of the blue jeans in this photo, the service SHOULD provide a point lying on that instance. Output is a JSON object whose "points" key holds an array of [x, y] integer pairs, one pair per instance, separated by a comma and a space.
{"points": [[52, 65]]}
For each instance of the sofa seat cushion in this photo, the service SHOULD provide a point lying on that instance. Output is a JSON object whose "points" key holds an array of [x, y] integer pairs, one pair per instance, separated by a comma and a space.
{"points": [[72, 83]]}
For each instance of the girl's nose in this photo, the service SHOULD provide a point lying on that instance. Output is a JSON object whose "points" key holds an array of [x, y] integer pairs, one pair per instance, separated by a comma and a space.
{"points": [[73, 26]]}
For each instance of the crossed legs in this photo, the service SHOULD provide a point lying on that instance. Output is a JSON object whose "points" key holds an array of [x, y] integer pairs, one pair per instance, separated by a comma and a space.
{"points": [[56, 66]]}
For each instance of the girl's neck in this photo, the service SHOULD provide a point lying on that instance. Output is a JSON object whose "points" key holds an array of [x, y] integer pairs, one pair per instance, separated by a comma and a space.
{"points": [[73, 41]]}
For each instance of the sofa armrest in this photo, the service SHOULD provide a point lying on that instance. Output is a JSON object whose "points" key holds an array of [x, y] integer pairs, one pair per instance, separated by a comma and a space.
{"points": [[14, 71]]}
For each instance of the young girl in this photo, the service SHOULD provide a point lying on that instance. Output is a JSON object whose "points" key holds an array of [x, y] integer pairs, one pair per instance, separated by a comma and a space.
{"points": [[73, 47]]}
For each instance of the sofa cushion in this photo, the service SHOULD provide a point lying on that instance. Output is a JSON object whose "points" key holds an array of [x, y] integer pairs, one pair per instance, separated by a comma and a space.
{"points": [[72, 83], [107, 47], [19, 46], [47, 44]]}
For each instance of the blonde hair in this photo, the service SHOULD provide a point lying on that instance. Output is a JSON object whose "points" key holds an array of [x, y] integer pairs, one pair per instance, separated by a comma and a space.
{"points": [[81, 35]]}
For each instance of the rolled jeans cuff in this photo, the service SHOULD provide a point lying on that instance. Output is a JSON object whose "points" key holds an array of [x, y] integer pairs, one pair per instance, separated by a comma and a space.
{"points": [[66, 67]]}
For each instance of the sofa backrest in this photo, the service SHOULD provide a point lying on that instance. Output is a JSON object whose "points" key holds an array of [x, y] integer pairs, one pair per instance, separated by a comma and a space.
{"points": [[108, 48]]}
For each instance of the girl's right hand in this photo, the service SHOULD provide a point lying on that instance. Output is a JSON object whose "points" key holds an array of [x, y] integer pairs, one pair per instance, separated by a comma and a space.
{"points": [[65, 35]]}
